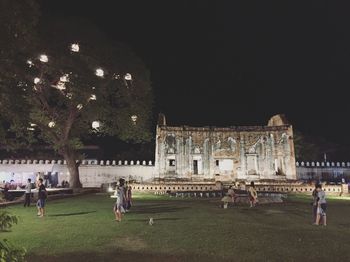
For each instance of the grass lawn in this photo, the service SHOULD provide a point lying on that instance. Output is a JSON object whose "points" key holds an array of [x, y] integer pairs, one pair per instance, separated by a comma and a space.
{"points": [[83, 229]]}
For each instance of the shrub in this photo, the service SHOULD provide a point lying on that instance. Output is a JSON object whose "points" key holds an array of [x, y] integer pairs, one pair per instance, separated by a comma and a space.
{"points": [[8, 252], [7, 220]]}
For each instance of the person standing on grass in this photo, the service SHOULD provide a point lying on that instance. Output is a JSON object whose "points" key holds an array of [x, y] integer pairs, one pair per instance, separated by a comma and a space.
{"points": [[128, 198], [231, 193], [118, 206], [321, 206], [41, 198], [314, 204], [252, 194], [28, 192]]}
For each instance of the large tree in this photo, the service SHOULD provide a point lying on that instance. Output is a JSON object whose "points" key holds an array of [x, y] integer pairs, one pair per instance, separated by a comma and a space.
{"points": [[73, 85]]}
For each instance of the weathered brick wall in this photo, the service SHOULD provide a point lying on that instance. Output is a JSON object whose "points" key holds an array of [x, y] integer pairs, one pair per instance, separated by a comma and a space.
{"points": [[251, 153]]}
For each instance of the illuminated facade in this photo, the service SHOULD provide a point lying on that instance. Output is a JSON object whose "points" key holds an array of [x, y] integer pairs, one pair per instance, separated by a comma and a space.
{"points": [[226, 154]]}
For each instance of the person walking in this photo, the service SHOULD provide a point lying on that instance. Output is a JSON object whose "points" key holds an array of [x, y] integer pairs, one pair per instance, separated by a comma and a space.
{"points": [[41, 198], [252, 194], [28, 193], [321, 206]]}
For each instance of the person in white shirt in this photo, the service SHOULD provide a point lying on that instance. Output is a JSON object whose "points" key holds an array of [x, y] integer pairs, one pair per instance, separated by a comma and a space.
{"points": [[28, 193], [321, 206]]}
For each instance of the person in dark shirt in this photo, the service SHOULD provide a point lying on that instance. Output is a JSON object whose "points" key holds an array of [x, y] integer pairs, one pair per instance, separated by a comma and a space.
{"points": [[41, 198], [28, 192], [128, 198]]}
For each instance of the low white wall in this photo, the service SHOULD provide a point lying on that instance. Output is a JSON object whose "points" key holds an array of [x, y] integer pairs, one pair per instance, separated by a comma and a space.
{"points": [[92, 172], [322, 170]]}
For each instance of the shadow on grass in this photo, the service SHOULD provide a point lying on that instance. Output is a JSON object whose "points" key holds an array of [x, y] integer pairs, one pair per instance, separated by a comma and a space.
{"points": [[72, 214], [156, 209], [155, 219], [120, 255]]}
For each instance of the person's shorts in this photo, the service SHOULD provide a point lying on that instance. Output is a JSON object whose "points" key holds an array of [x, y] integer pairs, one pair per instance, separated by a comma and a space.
{"points": [[119, 207], [41, 203], [252, 199], [321, 210]]}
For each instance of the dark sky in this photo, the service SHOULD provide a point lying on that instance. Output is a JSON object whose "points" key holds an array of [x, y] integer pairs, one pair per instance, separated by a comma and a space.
{"points": [[236, 62]]}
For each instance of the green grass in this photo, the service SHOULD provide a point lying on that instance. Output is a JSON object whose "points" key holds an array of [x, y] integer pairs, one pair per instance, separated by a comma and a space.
{"points": [[83, 229]]}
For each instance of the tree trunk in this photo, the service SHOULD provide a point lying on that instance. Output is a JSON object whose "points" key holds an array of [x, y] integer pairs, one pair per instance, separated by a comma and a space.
{"points": [[73, 168]]}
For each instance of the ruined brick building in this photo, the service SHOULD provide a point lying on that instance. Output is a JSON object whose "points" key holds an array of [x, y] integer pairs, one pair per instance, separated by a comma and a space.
{"points": [[226, 154]]}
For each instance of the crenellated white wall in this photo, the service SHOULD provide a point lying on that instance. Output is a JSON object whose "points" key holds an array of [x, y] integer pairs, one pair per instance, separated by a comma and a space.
{"points": [[323, 170], [93, 173]]}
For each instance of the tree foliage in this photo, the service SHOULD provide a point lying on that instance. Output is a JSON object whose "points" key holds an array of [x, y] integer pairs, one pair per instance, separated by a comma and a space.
{"points": [[7, 220], [313, 148], [72, 83], [9, 252]]}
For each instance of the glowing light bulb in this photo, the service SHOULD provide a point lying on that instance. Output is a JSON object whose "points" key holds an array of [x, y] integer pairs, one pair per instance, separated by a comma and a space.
{"points": [[128, 77], [51, 124], [60, 86], [69, 95], [30, 128], [30, 63], [75, 47], [36, 80], [92, 97], [80, 106], [99, 72], [43, 58], [134, 119], [64, 78], [95, 124], [32, 124]]}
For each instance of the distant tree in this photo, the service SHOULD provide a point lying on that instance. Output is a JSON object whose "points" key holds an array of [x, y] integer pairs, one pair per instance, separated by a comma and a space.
{"points": [[71, 87], [304, 148], [313, 148]]}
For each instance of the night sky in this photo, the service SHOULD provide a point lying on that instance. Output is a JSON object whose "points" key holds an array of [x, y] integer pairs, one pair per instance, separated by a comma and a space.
{"points": [[228, 63]]}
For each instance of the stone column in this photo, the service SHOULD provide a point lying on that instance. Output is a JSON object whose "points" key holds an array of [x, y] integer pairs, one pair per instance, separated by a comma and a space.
{"points": [[206, 158], [242, 156], [178, 156]]}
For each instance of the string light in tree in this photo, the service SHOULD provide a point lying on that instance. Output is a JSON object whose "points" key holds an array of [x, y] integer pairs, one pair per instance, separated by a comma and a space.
{"points": [[128, 77], [95, 125], [134, 119], [60, 86], [99, 72], [43, 58], [69, 95], [51, 124], [64, 78], [80, 106], [31, 128], [36, 80], [92, 97], [75, 47], [30, 63]]}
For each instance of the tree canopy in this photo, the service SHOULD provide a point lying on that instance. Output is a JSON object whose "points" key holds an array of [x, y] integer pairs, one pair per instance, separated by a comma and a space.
{"points": [[71, 83]]}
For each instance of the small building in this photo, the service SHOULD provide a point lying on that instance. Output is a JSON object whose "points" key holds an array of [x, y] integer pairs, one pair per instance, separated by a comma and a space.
{"points": [[226, 154]]}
